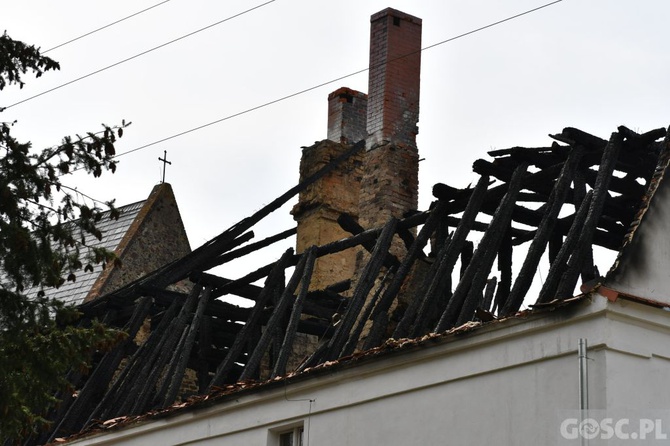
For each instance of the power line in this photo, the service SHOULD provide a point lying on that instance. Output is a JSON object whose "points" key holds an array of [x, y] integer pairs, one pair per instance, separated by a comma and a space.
{"points": [[306, 90], [141, 54], [104, 27]]}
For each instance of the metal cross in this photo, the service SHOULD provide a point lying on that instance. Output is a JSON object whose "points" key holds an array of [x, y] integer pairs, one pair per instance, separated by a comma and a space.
{"points": [[165, 161]]}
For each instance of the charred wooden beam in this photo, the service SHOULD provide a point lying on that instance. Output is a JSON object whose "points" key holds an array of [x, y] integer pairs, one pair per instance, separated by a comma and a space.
{"points": [[462, 304], [122, 384], [278, 314], [96, 385], [253, 247], [467, 252], [505, 269], [600, 193], [548, 291], [363, 287], [235, 350], [379, 314], [439, 277], [350, 225], [175, 374], [573, 136], [152, 372], [364, 316], [296, 312], [545, 229]]}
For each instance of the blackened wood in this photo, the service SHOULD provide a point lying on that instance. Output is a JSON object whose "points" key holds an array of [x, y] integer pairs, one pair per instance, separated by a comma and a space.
{"points": [[525, 277], [364, 316], [145, 382], [644, 139], [548, 291], [176, 373], [466, 257], [319, 303], [296, 313], [96, 385], [197, 259], [575, 136], [234, 286], [438, 278], [483, 227], [365, 283], [252, 247], [204, 350], [367, 235], [482, 263], [483, 257], [278, 312], [600, 194], [555, 243], [339, 287], [107, 407], [580, 193], [350, 225], [236, 349], [379, 314], [505, 269]]}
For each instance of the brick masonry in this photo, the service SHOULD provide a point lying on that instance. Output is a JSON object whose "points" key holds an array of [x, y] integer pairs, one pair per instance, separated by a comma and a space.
{"points": [[347, 116], [395, 78]]}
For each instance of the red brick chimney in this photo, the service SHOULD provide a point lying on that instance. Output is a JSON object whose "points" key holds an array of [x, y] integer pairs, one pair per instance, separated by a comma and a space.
{"points": [[395, 70], [391, 165]]}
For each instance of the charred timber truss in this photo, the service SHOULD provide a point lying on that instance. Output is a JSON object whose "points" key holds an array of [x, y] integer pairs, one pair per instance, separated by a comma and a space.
{"points": [[580, 192]]}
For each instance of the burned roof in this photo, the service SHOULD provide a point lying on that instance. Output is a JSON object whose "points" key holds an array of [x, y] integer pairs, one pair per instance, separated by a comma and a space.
{"points": [[578, 193]]}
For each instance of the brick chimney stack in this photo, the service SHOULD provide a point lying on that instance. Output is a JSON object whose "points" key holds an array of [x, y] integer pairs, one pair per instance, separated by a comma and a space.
{"points": [[395, 70], [347, 116], [389, 187]]}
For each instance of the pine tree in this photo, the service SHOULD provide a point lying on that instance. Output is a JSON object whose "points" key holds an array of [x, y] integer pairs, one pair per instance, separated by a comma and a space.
{"points": [[42, 245]]}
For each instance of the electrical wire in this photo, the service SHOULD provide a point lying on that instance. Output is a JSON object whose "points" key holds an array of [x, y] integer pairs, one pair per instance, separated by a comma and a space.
{"points": [[306, 90], [139, 54], [104, 27]]}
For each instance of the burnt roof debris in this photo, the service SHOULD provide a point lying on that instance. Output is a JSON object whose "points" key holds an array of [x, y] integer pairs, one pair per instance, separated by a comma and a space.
{"points": [[579, 193]]}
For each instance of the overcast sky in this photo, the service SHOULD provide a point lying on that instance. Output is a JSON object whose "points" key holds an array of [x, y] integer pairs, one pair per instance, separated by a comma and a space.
{"points": [[591, 64]]}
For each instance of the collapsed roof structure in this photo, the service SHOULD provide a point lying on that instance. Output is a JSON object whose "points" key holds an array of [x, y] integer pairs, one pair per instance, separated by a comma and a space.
{"points": [[378, 270]]}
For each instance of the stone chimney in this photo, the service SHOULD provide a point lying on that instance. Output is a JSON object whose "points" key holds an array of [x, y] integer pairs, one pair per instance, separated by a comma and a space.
{"points": [[391, 167], [321, 204]]}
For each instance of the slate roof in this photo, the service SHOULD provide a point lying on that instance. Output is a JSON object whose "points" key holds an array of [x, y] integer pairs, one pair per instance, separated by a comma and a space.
{"points": [[112, 233]]}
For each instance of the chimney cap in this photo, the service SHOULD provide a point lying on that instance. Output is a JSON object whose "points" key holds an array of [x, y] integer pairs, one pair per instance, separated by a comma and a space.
{"points": [[346, 91], [396, 14]]}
